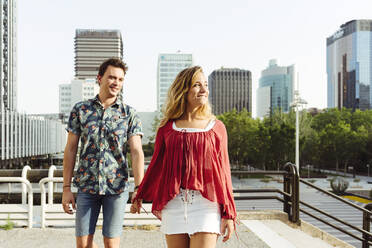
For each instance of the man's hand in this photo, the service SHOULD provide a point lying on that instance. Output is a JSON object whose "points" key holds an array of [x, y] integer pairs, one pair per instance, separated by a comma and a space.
{"points": [[227, 225], [67, 199], [136, 204]]}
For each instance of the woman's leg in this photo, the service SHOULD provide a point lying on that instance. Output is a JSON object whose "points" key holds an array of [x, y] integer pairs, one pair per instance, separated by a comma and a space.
{"points": [[177, 240], [203, 240]]}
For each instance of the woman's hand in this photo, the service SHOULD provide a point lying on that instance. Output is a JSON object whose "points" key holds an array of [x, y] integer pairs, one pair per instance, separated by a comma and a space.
{"points": [[136, 204], [227, 225]]}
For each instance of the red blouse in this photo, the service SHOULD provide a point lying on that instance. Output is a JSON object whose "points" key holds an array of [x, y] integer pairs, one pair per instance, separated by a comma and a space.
{"points": [[189, 160]]}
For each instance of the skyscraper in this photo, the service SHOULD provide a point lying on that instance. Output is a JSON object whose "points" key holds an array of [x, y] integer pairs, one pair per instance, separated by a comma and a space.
{"points": [[275, 90], [92, 47], [349, 66], [169, 65], [230, 88], [8, 58]]}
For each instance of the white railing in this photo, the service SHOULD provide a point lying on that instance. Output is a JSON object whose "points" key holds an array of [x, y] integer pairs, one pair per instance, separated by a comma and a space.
{"points": [[24, 187], [53, 214], [16, 212], [50, 195]]}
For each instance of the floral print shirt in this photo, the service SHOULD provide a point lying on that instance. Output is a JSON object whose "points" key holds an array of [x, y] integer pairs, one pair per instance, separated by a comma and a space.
{"points": [[104, 133]]}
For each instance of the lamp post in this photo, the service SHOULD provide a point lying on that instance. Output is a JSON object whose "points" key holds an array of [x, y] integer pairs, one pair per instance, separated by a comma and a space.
{"points": [[296, 104], [368, 169]]}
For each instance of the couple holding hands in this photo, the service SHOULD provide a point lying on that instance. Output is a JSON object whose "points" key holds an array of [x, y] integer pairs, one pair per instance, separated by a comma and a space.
{"points": [[188, 180]]}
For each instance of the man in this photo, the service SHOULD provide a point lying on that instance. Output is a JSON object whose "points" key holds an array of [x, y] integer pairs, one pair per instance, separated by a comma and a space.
{"points": [[104, 125]]}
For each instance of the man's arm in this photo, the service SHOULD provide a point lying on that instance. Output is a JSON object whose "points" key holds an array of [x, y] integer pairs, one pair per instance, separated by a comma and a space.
{"points": [[68, 169], [137, 156]]}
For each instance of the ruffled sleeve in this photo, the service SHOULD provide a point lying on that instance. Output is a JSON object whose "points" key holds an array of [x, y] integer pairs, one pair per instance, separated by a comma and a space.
{"points": [[149, 186], [228, 211]]}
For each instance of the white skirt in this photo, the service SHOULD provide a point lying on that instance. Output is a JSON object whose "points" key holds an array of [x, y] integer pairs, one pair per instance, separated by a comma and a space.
{"points": [[189, 212]]}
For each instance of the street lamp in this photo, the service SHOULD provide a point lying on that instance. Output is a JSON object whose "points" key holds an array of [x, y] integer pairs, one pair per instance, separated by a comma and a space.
{"points": [[368, 169], [296, 104]]}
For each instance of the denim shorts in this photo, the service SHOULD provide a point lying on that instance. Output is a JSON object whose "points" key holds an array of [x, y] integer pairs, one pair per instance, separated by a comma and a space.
{"points": [[88, 207]]}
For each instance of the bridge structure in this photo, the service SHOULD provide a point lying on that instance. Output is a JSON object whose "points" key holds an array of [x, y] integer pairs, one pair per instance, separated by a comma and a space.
{"points": [[29, 139]]}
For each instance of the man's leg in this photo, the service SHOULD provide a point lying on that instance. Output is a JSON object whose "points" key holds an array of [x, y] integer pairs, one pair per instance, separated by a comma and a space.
{"points": [[113, 218], [87, 210], [85, 242]]}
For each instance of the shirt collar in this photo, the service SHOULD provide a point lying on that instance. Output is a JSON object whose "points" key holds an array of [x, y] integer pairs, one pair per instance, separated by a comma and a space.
{"points": [[116, 104]]}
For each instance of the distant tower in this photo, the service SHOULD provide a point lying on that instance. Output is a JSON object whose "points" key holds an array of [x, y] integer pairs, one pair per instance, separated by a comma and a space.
{"points": [[349, 66], [169, 65], [8, 58], [229, 89], [92, 47], [275, 89]]}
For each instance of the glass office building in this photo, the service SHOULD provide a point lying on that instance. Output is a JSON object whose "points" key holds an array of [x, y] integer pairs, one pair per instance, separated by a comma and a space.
{"points": [[275, 88], [169, 65], [349, 66]]}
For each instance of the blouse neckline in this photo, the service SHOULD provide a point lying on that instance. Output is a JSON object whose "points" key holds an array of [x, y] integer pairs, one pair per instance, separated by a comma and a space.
{"points": [[210, 125]]}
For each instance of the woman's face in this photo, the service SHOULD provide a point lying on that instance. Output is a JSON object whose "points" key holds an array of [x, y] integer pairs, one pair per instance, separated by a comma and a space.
{"points": [[198, 93]]}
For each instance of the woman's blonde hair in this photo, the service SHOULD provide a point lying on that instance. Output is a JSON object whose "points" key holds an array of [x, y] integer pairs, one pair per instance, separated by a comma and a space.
{"points": [[176, 101]]}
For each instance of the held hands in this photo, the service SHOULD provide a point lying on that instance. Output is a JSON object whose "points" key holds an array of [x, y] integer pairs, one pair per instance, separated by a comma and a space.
{"points": [[227, 225], [67, 199], [136, 204]]}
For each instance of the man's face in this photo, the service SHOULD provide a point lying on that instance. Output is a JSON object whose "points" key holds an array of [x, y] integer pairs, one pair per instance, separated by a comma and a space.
{"points": [[112, 81]]}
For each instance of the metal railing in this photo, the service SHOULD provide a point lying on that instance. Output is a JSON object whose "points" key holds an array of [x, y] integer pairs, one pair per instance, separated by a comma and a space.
{"points": [[290, 192], [365, 231], [291, 202]]}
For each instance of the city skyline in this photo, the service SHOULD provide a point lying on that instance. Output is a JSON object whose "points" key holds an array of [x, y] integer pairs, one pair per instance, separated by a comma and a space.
{"points": [[240, 35]]}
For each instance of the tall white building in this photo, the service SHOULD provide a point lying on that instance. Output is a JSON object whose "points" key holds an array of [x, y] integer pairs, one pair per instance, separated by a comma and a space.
{"points": [[92, 47], [169, 65], [78, 90]]}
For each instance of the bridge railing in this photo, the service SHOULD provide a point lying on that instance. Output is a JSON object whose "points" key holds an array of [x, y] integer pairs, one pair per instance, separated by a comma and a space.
{"points": [[292, 204]]}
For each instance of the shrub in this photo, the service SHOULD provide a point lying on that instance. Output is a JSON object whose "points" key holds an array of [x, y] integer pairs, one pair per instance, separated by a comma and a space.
{"points": [[8, 225], [265, 180]]}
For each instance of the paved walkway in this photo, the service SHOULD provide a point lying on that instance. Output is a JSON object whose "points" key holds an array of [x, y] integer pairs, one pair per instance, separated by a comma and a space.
{"points": [[323, 202], [64, 237]]}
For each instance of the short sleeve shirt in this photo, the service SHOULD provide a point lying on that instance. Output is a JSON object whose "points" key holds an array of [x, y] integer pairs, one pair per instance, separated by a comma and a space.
{"points": [[104, 133]]}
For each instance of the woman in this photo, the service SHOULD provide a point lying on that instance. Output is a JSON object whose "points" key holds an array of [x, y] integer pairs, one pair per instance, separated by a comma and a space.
{"points": [[188, 179]]}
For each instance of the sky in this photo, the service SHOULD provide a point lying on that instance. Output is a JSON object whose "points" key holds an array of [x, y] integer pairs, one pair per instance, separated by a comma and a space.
{"points": [[243, 34]]}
